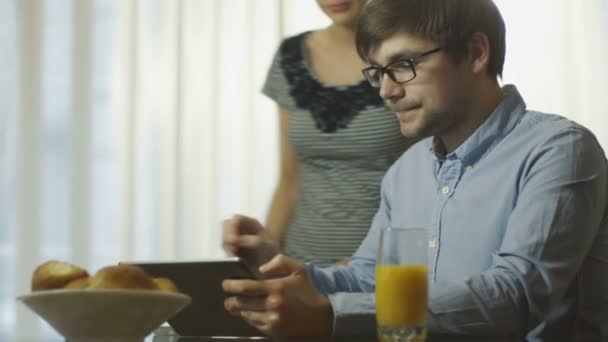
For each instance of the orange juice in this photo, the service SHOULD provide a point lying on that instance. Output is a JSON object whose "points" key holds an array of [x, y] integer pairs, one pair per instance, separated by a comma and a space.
{"points": [[401, 295]]}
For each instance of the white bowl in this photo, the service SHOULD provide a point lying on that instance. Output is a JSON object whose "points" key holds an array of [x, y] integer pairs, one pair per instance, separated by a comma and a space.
{"points": [[105, 315]]}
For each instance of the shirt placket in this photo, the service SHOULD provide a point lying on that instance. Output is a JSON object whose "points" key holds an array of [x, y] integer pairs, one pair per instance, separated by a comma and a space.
{"points": [[447, 175]]}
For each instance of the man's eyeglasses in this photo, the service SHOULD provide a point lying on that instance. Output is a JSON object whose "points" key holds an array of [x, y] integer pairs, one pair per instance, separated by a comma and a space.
{"points": [[401, 71]]}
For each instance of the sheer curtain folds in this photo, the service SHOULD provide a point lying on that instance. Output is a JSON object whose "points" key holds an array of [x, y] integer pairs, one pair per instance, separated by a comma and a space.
{"points": [[134, 128], [556, 55], [129, 129]]}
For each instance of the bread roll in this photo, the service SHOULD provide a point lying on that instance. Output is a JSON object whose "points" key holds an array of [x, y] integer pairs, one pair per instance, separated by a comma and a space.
{"points": [[56, 274], [122, 277], [81, 283], [165, 284]]}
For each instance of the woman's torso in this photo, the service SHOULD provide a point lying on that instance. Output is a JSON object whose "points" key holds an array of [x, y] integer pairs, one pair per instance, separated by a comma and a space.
{"points": [[345, 139]]}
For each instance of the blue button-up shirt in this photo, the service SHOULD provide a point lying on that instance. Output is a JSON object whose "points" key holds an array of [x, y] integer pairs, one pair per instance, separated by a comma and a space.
{"points": [[515, 220]]}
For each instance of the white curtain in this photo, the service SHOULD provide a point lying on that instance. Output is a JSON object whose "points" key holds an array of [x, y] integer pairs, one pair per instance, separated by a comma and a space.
{"points": [[130, 128], [557, 53]]}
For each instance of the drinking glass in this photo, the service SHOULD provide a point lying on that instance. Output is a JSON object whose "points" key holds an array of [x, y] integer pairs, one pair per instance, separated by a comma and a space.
{"points": [[402, 284]]}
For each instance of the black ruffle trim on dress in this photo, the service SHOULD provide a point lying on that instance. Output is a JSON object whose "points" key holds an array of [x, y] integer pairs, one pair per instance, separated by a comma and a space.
{"points": [[332, 108]]}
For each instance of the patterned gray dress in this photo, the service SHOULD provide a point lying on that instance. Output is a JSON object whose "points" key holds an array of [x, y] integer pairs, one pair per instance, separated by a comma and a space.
{"points": [[345, 139]]}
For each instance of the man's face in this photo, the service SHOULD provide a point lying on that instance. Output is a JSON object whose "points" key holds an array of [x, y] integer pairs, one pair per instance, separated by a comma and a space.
{"points": [[435, 99]]}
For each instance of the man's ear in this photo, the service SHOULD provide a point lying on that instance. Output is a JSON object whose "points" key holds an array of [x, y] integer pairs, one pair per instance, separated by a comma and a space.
{"points": [[479, 53]]}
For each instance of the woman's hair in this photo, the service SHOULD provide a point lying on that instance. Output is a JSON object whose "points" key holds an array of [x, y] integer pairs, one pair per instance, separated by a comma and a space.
{"points": [[449, 23]]}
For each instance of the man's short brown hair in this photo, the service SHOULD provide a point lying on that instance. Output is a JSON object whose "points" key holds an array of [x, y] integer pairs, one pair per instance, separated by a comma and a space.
{"points": [[449, 23]]}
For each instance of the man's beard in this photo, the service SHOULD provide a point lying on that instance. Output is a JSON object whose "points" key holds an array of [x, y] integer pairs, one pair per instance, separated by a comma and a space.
{"points": [[426, 125]]}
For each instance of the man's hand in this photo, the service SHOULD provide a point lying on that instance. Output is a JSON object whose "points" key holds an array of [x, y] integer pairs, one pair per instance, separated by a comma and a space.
{"points": [[285, 305], [246, 238]]}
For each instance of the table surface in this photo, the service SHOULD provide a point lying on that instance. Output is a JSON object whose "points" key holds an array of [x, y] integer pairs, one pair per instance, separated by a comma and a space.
{"points": [[166, 334]]}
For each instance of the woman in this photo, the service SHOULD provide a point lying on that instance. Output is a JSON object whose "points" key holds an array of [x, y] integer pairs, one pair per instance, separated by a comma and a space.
{"points": [[337, 140]]}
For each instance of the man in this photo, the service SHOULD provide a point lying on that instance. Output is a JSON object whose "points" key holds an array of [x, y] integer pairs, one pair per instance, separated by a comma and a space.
{"points": [[513, 200]]}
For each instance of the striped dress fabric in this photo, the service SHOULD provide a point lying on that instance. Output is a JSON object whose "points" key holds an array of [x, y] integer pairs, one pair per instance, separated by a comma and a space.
{"points": [[345, 139]]}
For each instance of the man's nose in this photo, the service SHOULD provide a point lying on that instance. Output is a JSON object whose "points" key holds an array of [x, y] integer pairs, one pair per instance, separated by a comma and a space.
{"points": [[390, 89]]}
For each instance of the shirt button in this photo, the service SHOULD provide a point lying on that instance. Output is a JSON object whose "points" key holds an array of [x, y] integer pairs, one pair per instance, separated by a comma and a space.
{"points": [[445, 190], [433, 243], [469, 168]]}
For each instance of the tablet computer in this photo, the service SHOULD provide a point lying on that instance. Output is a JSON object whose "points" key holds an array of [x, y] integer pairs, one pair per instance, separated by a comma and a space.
{"points": [[202, 280]]}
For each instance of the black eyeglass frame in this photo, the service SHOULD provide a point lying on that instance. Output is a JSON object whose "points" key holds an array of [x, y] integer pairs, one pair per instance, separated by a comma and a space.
{"points": [[411, 61]]}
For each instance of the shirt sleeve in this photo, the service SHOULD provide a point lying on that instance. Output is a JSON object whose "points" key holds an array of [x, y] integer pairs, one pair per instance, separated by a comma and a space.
{"points": [[353, 306], [276, 86], [562, 199]]}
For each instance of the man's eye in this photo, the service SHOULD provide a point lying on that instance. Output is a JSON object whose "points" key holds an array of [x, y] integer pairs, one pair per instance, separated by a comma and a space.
{"points": [[400, 66]]}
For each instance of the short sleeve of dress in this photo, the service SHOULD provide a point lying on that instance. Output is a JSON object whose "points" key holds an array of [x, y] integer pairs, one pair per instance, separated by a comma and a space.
{"points": [[276, 85]]}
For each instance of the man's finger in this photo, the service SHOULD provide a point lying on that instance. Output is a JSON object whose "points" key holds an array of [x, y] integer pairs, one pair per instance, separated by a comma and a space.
{"points": [[245, 287], [239, 225], [230, 248], [245, 224], [230, 236], [258, 319], [237, 304], [281, 265], [248, 241]]}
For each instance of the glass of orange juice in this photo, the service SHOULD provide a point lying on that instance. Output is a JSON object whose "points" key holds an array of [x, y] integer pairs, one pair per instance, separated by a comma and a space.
{"points": [[402, 284]]}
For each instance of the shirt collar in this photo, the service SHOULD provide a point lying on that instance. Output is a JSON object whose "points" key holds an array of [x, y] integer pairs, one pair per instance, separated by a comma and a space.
{"points": [[498, 125]]}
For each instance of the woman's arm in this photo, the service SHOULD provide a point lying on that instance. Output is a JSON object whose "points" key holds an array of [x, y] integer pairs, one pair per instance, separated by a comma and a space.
{"points": [[286, 193]]}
